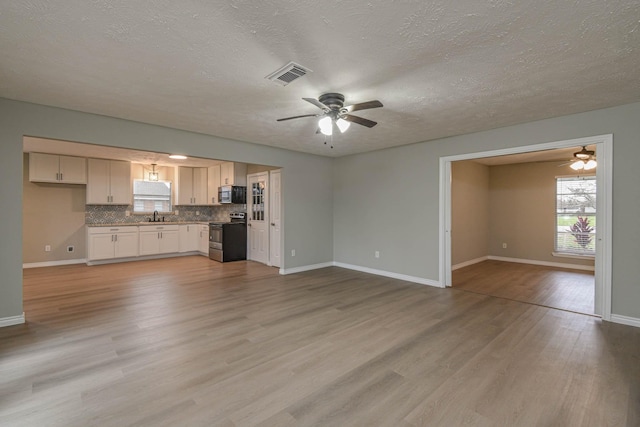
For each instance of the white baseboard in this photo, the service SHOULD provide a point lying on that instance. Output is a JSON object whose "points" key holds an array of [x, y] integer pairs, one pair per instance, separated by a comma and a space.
{"points": [[12, 320], [398, 276], [545, 263], [384, 273], [625, 320], [468, 263], [285, 271], [53, 263]]}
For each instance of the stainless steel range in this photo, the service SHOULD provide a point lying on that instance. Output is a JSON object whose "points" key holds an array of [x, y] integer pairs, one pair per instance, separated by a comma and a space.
{"points": [[228, 240]]}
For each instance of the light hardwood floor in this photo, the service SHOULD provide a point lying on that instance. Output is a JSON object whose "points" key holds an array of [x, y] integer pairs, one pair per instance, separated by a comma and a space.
{"points": [[190, 342], [561, 288]]}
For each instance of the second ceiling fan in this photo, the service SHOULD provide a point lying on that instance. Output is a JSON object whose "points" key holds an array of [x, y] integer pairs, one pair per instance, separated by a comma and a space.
{"points": [[335, 113]]}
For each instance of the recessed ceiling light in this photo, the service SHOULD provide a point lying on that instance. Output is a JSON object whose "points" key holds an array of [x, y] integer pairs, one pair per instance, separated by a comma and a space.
{"points": [[177, 157]]}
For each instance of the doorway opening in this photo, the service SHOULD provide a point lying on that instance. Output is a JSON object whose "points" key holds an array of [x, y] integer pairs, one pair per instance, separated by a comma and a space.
{"points": [[546, 272]]}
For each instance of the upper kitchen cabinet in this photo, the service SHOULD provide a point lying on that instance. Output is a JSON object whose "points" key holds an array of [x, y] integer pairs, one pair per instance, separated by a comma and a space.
{"points": [[109, 182], [192, 186], [233, 173], [213, 183], [58, 169]]}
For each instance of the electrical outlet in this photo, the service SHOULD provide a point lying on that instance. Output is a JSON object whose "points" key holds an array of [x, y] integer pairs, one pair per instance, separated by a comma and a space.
{"points": [[47, 248], [377, 254], [70, 248], [504, 246], [127, 213], [293, 252], [197, 213], [176, 213]]}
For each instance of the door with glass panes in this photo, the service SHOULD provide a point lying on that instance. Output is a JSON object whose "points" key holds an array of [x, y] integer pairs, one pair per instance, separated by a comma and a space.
{"points": [[258, 217]]}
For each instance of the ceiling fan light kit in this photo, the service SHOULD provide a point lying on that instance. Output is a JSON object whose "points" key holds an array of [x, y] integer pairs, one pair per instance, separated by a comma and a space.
{"points": [[585, 160], [335, 112], [326, 126]]}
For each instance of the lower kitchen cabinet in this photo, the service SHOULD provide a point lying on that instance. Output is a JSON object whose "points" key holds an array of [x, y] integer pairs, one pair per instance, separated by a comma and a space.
{"points": [[112, 242], [189, 237], [131, 241], [159, 239], [204, 240]]}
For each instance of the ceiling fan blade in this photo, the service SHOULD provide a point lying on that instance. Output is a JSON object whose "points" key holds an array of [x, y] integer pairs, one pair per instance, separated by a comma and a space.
{"points": [[363, 106], [297, 117], [359, 120], [317, 103]]}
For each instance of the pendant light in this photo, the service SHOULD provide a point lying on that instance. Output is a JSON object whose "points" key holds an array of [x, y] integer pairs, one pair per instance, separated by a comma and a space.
{"points": [[153, 175]]}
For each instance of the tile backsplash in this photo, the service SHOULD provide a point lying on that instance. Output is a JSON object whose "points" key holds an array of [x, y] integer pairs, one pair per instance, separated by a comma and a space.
{"points": [[116, 214]]}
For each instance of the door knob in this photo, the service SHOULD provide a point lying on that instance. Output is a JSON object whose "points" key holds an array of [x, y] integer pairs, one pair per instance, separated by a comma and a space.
{"points": [[273, 224]]}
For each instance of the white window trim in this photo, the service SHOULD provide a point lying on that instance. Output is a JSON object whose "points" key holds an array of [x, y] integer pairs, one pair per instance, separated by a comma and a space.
{"points": [[569, 254]]}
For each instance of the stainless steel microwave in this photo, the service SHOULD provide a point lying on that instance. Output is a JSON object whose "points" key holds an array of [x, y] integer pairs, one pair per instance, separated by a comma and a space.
{"points": [[232, 194]]}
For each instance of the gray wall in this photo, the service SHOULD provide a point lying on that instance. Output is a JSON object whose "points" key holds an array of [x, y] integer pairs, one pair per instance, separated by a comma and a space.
{"points": [[469, 211], [388, 199], [306, 180]]}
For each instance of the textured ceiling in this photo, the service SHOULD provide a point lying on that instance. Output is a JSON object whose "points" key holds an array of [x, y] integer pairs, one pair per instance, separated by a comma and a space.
{"points": [[440, 68]]}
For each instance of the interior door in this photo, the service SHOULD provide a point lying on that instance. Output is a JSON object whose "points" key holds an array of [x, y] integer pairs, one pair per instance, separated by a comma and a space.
{"points": [[275, 200], [258, 221]]}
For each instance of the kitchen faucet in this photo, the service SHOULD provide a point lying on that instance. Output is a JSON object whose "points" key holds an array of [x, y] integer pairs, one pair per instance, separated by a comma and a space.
{"points": [[155, 216]]}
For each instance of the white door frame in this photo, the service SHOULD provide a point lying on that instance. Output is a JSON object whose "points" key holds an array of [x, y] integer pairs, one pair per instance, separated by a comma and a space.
{"points": [[273, 235], [604, 188]]}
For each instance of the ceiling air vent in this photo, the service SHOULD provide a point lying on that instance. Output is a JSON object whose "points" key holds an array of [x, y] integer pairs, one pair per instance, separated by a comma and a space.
{"points": [[288, 73]]}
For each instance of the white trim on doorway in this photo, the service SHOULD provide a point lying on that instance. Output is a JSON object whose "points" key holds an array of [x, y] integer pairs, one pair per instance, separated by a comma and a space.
{"points": [[604, 177]]}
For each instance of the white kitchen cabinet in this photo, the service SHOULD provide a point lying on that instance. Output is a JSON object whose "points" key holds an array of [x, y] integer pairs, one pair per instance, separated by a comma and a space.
{"points": [[233, 173], [57, 169], [159, 239], [109, 182], [112, 242], [213, 184], [189, 237], [204, 239], [192, 186]]}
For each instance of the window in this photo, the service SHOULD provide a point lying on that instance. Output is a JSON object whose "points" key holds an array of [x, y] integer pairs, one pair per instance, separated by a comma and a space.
{"points": [[576, 215], [149, 196]]}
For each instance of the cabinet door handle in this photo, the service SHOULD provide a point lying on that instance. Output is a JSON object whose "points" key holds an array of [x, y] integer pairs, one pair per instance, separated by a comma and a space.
{"points": [[273, 224], [61, 176], [116, 237]]}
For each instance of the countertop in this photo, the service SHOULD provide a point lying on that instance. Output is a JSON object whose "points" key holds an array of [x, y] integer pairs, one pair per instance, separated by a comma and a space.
{"points": [[146, 224]]}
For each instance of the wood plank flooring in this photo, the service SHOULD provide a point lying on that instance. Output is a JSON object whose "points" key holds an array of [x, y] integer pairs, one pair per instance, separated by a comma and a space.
{"points": [[190, 342], [553, 287]]}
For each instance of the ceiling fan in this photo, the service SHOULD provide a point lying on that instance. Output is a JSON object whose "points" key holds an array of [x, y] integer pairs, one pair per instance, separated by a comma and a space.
{"points": [[583, 159], [335, 113]]}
